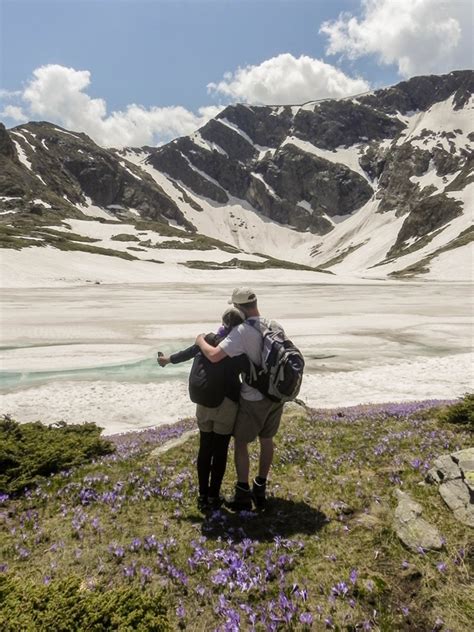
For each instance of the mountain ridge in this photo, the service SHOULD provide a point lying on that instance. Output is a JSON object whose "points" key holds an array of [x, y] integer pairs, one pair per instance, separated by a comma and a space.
{"points": [[312, 179]]}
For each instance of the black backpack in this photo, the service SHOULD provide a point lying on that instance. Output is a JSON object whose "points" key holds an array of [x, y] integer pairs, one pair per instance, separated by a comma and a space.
{"points": [[282, 364], [207, 382]]}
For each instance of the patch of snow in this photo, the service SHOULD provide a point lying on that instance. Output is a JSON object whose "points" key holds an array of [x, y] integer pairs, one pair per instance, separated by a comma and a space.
{"points": [[174, 224], [430, 178], [40, 178], [337, 219], [43, 142], [203, 174], [347, 156], [207, 145], [440, 116], [22, 155], [47, 267], [263, 151], [449, 377], [6, 212], [237, 223], [105, 232], [267, 186], [68, 133], [236, 129], [39, 201], [122, 164], [23, 137], [376, 231], [306, 205], [92, 210], [453, 265], [450, 231]]}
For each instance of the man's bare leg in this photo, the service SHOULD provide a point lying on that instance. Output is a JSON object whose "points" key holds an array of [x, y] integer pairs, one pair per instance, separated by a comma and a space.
{"points": [[242, 461], [266, 457]]}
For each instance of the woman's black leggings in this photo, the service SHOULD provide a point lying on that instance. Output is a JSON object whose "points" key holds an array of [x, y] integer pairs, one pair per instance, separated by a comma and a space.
{"points": [[211, 462]]}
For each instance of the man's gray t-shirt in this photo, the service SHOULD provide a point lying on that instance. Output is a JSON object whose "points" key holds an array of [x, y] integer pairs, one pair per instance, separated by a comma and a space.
{"points": [[245, 339]]}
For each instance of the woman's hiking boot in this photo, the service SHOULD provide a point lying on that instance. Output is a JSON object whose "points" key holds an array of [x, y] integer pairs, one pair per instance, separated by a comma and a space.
{"points": [[241, 500], [215, 502], [259, 493], [202, 503]]}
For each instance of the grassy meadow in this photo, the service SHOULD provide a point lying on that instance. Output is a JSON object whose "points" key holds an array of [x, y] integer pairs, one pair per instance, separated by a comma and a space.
{"points": [[115, 540]]}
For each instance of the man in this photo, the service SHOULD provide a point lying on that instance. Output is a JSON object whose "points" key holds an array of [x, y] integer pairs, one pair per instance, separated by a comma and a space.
{"points": [[258, 416]]}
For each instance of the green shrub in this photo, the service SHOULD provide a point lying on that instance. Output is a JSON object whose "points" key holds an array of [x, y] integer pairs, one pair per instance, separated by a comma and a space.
{"points": [[31, 450], [67, 606], [462, 412]]}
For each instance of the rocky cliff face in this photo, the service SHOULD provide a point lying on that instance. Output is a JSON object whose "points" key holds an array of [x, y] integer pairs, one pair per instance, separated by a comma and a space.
{"points": [[287, 163], [68, 171]]}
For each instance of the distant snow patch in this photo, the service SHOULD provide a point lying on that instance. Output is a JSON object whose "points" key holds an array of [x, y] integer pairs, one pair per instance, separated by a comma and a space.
{"points": [[347, 156], [22, 155], [430, 178], [23, 137], [39, 201], [259, 176], [122, 164], [306, 205], [235, 128], [201, 173], [68, 133], [207, 145], [92, 210]]}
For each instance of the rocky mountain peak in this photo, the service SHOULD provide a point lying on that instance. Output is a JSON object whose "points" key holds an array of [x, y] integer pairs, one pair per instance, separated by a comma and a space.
{"points": [[334, 174]]}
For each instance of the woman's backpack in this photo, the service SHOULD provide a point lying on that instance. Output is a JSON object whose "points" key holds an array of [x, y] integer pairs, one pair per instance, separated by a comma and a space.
{"points": [[207, 382]]}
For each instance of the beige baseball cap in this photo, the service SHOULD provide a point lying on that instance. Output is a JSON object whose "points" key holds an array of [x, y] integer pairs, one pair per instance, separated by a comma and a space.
{"points": [[242, 295]]}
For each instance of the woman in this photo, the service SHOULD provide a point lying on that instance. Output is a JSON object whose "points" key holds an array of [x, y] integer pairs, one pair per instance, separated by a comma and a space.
{"points": [[215, 388]]}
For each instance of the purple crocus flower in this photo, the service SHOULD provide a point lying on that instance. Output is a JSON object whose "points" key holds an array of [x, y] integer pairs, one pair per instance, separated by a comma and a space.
{"points": [[306, 618]]}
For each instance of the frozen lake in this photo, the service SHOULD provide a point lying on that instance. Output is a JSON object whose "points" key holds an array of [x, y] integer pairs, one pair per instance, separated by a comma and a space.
{"points": [[88, 353]]}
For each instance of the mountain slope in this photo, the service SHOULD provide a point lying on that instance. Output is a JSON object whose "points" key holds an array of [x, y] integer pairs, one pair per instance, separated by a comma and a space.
{"points": [[375, 185]]}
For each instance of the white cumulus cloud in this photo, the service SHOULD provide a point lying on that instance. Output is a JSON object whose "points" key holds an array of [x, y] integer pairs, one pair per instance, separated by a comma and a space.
{"points": [[15, 113], [58, 94], [419, 36], [285, 79]]}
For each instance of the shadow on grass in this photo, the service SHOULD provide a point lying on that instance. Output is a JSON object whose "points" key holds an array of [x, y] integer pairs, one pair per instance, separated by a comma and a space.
{"points": [[283, 518]]}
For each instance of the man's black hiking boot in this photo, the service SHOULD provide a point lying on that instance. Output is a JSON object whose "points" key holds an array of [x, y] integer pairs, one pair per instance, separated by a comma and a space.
{"points": [[259, 494], [241, 500]]}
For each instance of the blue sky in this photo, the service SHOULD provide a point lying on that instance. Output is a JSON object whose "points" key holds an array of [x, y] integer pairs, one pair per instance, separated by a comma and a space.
{"points": [[162, 55]]}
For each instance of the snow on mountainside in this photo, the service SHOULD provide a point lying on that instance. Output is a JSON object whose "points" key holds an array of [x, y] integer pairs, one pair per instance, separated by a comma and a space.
{"points": [[375, 186]]}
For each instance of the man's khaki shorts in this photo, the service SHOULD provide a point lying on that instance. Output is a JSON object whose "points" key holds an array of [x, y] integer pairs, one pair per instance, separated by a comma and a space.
{"points": [[257, 419], [220, 419]]}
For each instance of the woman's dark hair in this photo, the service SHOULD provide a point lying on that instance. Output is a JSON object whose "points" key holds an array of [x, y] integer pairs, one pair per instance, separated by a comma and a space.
{"points": [[232, 317]]}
